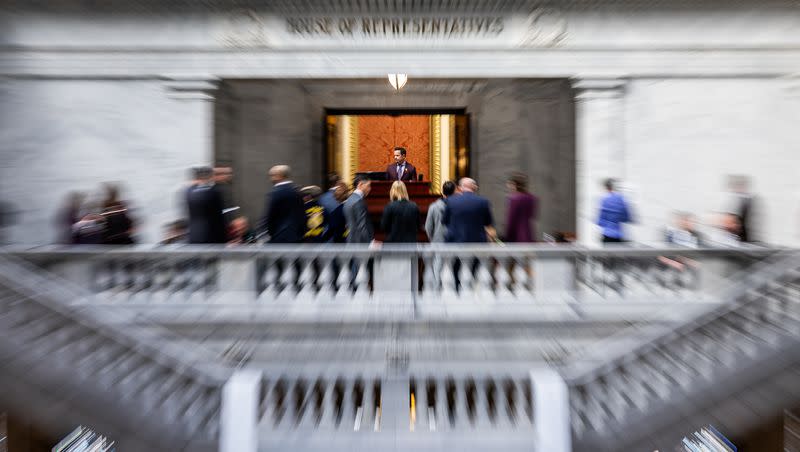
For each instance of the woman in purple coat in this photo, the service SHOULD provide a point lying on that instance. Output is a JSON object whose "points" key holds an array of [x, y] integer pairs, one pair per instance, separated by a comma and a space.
{"points": [[522, 209]]}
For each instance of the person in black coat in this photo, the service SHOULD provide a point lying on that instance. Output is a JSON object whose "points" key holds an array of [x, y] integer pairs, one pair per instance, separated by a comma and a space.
{"points": [[204, 204], [400, 217], [468, 217], [285, 215]]}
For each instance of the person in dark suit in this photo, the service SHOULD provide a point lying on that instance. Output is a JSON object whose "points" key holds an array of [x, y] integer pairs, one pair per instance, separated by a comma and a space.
{"points": [[355, 212], [468, 217], [284, 215], [204, 204], [743, 204], [331, 201], [401, 170], [401, 216]]}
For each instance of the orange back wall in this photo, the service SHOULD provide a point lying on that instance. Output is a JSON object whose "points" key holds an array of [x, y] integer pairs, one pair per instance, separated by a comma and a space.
{"points": [[378, 135]]}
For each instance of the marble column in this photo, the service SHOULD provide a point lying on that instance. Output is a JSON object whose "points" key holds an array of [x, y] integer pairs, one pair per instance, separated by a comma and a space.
{"points": [[600, 153], [190, 143], [195, 95]]}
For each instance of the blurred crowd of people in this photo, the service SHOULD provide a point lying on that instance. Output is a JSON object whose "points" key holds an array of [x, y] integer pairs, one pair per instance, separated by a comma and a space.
{"points": [[94, 222], [339, 214]]}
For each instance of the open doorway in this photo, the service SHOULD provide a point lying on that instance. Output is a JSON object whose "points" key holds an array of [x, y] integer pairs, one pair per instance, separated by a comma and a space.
{"points": [[436, 141]]}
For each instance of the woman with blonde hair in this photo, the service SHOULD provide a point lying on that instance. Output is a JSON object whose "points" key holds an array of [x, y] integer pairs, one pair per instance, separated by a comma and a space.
{"points": [[400, 217]]}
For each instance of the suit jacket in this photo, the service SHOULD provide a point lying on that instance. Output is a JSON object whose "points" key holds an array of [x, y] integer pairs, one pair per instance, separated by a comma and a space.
{"points": [[206, 222], [521, 211], [357, 219], [434, 227], [334, 216], [410, 173], [285, 215], [466, 217], [401, 221]]}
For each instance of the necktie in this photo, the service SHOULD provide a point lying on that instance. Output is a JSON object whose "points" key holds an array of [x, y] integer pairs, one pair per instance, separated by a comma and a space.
{"points": [[399, 172]]}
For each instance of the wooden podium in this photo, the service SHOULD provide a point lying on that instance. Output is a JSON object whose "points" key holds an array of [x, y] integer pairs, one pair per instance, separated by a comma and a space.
{"points": [[418, 192]]}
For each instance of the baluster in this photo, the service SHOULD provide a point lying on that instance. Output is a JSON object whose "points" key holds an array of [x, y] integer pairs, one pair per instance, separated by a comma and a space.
{"points": [[525, 387], [517, 408], [327, 290], [466, 279], [103, 278], [595, 413], [362, 280], [482, 417], [656, 379], [430, 284], [141, 283], [366, 421], [448, 279], [442, 413], [421, 396], [349, 408], [343, 281], [266, 410], [160, 283], [120, 282], [485, 292], [288, 279], [462, 413], [306, 282], [305, 418], [635, 388], [503, 276], [617, 404], [522, 287], [577, 411], [270, 279], [199, 281], [209, 270]]}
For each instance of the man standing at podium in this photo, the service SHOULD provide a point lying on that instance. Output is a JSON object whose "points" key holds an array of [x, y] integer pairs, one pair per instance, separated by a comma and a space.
{"points": [[401, 169]]}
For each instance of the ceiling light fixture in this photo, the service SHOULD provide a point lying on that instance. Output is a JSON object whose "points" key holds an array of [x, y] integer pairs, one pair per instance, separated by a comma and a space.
{"points": [[398, 81]]}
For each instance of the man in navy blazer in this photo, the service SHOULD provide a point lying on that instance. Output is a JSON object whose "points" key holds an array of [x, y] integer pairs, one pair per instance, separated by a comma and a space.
{"points": [[401, 170], [467, 216], [284, 216]]}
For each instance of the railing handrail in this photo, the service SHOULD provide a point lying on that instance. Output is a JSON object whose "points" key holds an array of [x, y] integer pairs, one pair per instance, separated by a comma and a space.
{"points": [[153, 345], [733, 290], [543, 251]]}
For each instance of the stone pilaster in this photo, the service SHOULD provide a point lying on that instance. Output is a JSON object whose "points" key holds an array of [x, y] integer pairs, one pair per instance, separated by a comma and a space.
{"points": [[196, 94], [600, 152]]}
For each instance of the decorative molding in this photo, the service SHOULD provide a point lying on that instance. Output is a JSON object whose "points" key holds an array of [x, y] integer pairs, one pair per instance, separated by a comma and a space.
{"points": [[545, 27], [541, 63], [599, 88], [191, 87], [792, 85]]}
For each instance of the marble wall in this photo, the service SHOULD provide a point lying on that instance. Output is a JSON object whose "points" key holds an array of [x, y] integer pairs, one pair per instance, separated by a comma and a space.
{"points": [[63, 135], [682, 137], [528, 126], [259, 125]]}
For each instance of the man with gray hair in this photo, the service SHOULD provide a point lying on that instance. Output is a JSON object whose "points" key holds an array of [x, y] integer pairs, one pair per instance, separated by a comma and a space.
{"points": [[468, 217]]}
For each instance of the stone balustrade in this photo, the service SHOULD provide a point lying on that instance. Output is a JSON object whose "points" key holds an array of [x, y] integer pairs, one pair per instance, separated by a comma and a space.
{"points": [[636, 388], [414, 281]]}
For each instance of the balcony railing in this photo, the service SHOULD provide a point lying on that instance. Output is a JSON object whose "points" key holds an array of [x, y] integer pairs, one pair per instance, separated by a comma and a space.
{"points": [[415, 281], [624, 388]]}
